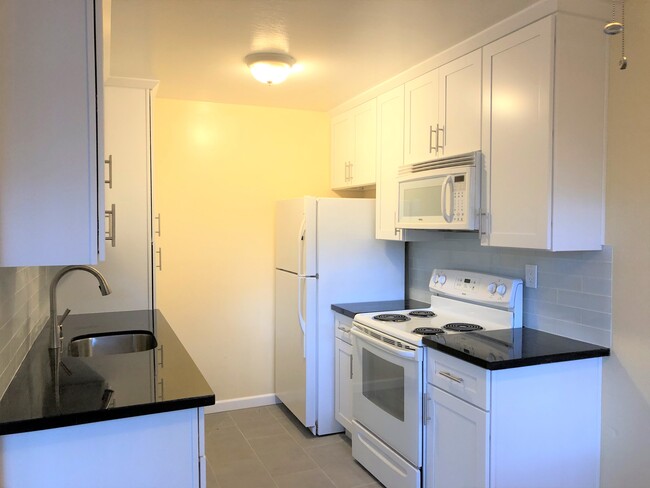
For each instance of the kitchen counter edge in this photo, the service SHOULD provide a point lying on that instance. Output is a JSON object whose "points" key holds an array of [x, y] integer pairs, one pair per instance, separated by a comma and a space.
{"points": [[539, 352]]}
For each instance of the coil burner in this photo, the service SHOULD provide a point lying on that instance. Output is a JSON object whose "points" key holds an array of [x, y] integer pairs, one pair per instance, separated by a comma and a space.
{"points": [[462, 327], [422, 313], [428, 331], [391, 317]]}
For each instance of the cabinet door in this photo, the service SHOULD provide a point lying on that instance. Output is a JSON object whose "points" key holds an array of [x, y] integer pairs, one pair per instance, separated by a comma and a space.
{"points": [[420, 118], [50, 133], [343, 389], [127, 266], [342, 149], [362, 169], [460, 105], [517, 137], [390, 156], [457, 440]]}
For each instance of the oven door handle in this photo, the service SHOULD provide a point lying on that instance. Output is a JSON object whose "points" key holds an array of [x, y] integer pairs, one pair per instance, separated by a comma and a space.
{"points": [[383, 346]]}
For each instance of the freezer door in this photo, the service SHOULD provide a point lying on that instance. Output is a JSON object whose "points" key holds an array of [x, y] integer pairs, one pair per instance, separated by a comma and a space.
{"points": [[295, 236], [295, 345]]}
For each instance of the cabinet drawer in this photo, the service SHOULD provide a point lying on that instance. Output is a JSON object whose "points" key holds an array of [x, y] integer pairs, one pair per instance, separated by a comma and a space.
{"points": [[460, 378]]}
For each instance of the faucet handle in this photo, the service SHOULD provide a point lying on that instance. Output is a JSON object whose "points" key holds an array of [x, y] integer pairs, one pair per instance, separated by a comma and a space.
{"points": [[63, 317]]}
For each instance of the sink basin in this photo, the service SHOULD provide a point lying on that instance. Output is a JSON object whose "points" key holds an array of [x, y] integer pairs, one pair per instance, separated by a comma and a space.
{"points": [[112, 343]]}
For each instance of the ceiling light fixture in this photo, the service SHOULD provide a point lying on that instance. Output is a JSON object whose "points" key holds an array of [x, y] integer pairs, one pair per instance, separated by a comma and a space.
{"points": [[270, 68]]}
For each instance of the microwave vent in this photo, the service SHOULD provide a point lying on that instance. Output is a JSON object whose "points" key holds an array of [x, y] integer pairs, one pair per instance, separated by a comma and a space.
{"points": [[467, 159]]}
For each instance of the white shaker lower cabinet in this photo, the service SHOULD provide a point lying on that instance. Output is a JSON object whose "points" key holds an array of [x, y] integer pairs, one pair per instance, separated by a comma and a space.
{"points": [[51, 163], [544, 99], [163, 450], [527, 427], [128, 193], [343, 367]]}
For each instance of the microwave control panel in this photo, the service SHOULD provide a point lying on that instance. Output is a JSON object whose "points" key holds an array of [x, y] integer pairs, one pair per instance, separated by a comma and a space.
{"points": [[459, 198]]}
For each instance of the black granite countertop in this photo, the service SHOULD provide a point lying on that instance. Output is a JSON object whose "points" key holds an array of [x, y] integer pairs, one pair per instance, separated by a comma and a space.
{"points": [[351, 309], [106, 387], [513, 348]]}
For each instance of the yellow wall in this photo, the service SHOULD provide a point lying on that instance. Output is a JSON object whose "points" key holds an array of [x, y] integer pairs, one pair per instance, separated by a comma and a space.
{"points": [[218, 171], [626, 374]]}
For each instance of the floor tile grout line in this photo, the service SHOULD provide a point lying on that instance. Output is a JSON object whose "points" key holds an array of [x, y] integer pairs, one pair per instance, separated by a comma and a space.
{"points": [[259, 459]]}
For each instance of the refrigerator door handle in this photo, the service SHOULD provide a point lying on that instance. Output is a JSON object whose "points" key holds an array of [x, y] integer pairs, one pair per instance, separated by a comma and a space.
{"points": [[301, 319], [301, 247]]}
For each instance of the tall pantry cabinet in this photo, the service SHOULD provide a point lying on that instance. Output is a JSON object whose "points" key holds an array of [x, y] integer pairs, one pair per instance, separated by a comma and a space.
{"points": [[128, 266], [51, 156]]}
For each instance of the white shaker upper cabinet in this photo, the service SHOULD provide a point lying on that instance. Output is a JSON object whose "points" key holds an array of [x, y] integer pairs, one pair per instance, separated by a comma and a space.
{"points": [[390, 156], [544, 96], [128, 262], [51, 161], [354, 147], [459, 105], [421, 118], [443, 111]]}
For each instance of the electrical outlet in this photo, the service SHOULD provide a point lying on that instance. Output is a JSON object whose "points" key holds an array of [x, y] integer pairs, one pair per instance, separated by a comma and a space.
{"points": [[531, 276]]}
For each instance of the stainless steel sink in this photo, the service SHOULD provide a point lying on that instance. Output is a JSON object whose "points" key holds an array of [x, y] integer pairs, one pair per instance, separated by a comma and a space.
{"points": [[112, 343]]}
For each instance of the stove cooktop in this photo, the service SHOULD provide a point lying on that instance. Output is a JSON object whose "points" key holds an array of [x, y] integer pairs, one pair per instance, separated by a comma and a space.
{"points": [[445, 317]]}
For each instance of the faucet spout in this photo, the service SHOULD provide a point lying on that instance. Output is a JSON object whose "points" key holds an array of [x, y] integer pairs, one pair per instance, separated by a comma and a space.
{"points": [[57, 328]]}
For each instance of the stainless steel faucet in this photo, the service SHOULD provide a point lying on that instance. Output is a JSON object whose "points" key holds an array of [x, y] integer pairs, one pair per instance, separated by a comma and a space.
{"points": [[57, 327]]}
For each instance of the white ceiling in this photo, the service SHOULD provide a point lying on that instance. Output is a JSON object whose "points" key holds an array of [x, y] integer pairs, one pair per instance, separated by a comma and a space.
{"points": [[196, 47]]}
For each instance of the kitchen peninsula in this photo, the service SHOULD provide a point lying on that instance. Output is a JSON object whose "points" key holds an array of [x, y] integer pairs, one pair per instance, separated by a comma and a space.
{"points": [[139, 414]]}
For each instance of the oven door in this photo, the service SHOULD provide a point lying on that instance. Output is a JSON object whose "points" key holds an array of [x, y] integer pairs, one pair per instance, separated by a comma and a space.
{"points": [[387, 393]]}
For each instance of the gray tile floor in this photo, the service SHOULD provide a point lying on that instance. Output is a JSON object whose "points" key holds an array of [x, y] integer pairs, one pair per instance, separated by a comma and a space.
{"points": [[267, 447]]}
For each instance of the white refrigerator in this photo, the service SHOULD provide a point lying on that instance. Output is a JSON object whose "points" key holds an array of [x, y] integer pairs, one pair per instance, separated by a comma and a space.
{"points": [[325, 253]]}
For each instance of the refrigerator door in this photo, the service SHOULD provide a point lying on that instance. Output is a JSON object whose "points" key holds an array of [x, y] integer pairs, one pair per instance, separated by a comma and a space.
{"points": [[295, 345], [295, 236], [353, 266]]}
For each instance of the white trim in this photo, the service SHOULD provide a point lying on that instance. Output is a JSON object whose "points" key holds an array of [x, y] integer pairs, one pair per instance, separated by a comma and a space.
{"points": [[131, 82], [243, 402]]}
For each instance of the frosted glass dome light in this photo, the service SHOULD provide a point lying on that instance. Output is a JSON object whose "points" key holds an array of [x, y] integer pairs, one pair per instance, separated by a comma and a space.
{"points": [[270, 68]]}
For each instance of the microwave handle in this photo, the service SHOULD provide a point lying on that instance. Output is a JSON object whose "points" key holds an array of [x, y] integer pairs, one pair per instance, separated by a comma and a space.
{"points": [[447, 185]]}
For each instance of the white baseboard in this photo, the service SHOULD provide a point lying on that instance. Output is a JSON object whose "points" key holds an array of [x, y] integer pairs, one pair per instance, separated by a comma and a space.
{"points": [[243, 402]]}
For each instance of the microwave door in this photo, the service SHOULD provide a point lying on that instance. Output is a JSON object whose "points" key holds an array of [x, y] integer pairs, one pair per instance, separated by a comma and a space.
{"points": [[421, 202]]}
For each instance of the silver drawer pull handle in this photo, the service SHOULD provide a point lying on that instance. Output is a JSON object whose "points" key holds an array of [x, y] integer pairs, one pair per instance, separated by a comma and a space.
{"points": [[109, 162], [450, 376], [159, 253], [344, 329], [110, 233], [158, 229]]}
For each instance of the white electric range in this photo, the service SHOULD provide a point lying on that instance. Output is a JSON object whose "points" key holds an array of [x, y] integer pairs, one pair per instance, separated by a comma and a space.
{"points": [[389, 371]]}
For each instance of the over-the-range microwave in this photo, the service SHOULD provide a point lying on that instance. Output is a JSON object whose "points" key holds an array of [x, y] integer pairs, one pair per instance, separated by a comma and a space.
{"points": [[443, 194]]}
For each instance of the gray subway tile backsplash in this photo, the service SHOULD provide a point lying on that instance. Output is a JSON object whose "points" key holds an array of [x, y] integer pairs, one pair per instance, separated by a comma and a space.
{"points": [[574, 291], [24, 310]]}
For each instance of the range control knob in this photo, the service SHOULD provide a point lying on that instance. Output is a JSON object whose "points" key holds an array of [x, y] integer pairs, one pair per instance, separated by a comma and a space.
{"points": [[492, 287], [501, 289], [435, 278], [442, 279]]}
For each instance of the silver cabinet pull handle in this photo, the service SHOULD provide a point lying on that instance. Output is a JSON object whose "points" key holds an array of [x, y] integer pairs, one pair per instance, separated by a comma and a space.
{"points": [[431, 146], [444, 137], [160, 356], [158, 229], [450, 376], [161, 388], [110, 233], [159, 253], [109, 162], [351, 366]]}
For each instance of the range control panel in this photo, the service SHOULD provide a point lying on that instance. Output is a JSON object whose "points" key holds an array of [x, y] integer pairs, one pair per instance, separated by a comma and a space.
{"points": [[476, 287]]}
